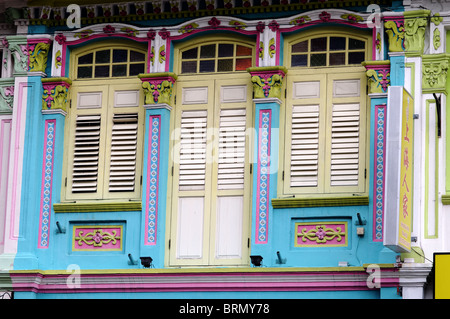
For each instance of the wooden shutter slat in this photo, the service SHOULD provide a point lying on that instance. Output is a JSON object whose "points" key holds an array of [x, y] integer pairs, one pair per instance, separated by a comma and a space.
{"points": [[123, 153]]}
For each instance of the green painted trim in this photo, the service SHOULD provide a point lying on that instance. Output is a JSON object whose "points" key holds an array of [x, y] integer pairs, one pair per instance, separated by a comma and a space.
{"points": [[416, 13], [447, 125], [320, 202], [258, 69], [157, 75], [416, 253], [445, 199], [381, 62], [57, 79], [427, 176], [97, 207]]}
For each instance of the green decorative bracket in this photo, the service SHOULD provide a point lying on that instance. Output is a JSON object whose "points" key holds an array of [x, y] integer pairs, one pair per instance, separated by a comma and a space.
{"points": [[18, 47], [158, 87], [378, 76], [415, 25], [434, 73], [38, 54], [55, 94], [267, 81], [395, 29]]}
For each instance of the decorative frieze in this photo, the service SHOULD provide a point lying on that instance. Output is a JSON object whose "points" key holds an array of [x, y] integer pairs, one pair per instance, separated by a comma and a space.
{"points": [[267, 81], [434, 73], [378, 76], [55, 94], [158, 87]]}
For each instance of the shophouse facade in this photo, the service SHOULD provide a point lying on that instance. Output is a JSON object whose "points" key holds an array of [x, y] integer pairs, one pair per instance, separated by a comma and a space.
{"points": [[217, 149]]}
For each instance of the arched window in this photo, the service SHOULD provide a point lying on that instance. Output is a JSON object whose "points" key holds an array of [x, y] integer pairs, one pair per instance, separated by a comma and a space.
{"points": [[110, 63], [223, 56], [104, 127], [325, 116], [328, 50]]}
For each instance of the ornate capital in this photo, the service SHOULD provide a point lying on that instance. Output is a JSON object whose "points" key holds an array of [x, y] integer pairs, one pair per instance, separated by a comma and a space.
{"points": [[267, 81], [378, 76], [395, 29], [18, 47], [415, 25], [434, 73], [158, 87], [38, 54], [55, 94]]}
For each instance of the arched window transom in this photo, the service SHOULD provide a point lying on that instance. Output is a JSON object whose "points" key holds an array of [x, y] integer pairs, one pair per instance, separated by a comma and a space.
{"points": [[110, 63], [328, 51], [216, 57]]}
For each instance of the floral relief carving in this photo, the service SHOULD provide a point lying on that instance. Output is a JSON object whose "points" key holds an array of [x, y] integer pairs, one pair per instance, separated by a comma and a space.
{"points": [[396, 35], [436, 38], [352, 18], [321, 234], [158, 89], [272, 48], [267, 82], [55, 94], [97, 238], [189, 28], [6, 98], [434, 74], [19, 49], [300, 20], [415, 33], [38, 55], [379, 80]]}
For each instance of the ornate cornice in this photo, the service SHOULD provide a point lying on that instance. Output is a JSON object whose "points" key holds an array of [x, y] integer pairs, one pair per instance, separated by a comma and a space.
{"points": [[121, 11]]}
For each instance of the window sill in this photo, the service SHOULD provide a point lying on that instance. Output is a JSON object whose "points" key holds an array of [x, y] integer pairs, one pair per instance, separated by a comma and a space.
{"points": [[445, 199], [90, 207], [320, 201]]}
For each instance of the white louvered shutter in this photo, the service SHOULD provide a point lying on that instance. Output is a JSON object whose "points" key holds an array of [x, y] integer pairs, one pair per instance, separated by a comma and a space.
{"points": [[345, 139], [123, 152], [86, 154], [305, 146], [232, 129], [193, 142]]}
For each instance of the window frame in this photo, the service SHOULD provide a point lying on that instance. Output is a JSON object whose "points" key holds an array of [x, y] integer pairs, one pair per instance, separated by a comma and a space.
{"points": [[118, 45], [208, 40], [323, 190], [107, 110], [291, 41]]}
